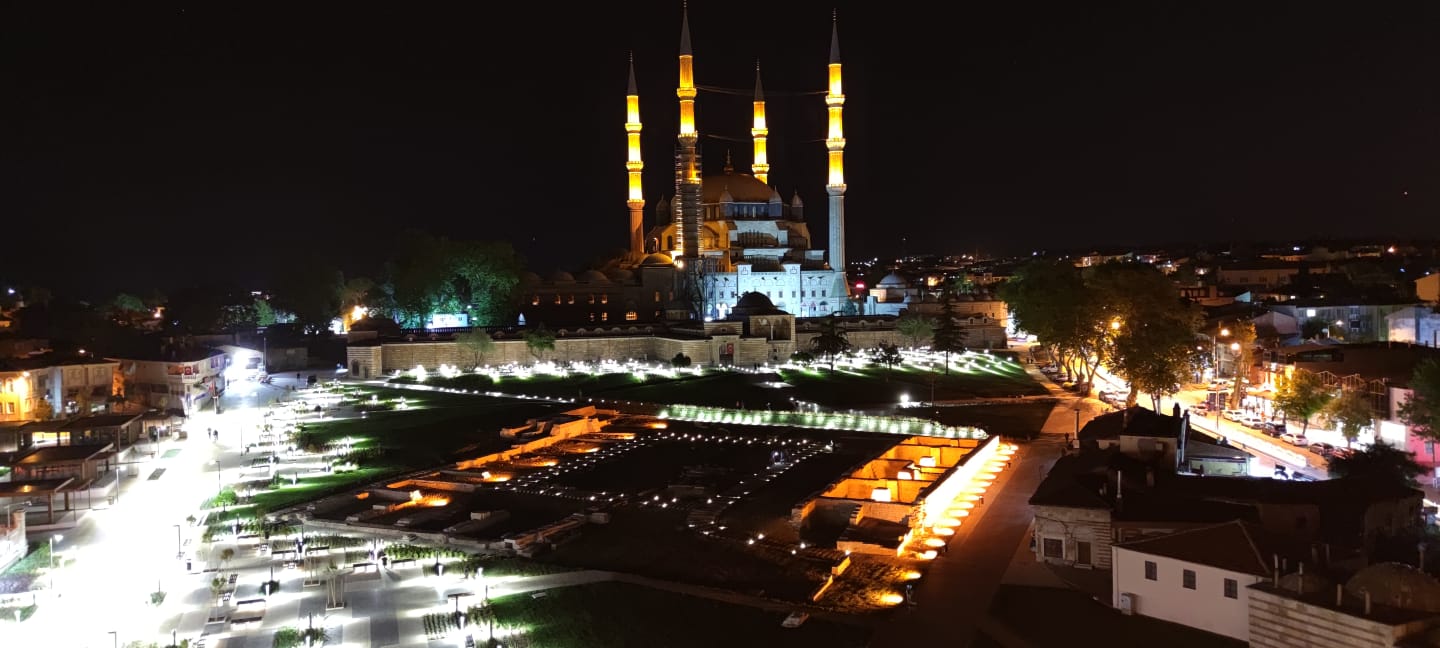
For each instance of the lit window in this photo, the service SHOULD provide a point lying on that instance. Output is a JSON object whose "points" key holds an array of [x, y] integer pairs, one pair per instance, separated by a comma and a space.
{"points": [[657, 296], [571, 300], [605, 298], [1151, 571], [605, 317], [557, 299], [590, 298], [630, 316], [1187, 579], [535, 301]]}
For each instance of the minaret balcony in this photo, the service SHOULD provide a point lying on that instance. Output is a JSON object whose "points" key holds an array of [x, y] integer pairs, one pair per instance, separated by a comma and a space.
{"points": [[834, 100], [835, 143], [632, 127]]}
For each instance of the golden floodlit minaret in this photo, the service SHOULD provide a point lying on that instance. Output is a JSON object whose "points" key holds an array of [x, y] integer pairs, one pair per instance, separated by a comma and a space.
{"points": [[760, 166], [835, 144], [688, 234], [634, 165]]}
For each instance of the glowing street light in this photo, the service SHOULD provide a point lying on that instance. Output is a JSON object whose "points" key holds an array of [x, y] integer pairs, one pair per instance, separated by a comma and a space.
{"points": [[53, 539]]}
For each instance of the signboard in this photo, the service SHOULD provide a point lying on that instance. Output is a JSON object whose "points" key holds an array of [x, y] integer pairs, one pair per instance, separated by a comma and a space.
{"points": [[180, 370]]}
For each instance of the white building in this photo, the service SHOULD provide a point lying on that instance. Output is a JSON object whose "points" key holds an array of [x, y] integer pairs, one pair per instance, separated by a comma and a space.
{"points": [[1198, 578], [1416, 325], [182, 378]]}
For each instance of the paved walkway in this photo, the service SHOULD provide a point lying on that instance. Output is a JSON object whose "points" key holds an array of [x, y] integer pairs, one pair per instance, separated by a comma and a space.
{"points": [[953, 600]]}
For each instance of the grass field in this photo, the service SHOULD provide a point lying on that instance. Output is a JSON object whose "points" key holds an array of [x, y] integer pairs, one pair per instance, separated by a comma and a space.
{"points": [[621, 615]]}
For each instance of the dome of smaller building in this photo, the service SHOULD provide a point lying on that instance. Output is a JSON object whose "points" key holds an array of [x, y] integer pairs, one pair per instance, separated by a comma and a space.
{"points": [[620, 275], [754, 303], [594, 276], [1396, 585], [528, 277], [561, 276], [657, 259], [893, 280]]}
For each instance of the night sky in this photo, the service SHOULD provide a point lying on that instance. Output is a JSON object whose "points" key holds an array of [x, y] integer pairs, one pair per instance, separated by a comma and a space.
{"points": [[170, 144]]}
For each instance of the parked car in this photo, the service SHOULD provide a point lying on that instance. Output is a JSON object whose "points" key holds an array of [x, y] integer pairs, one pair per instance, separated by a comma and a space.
{"points": [[1201, 409], [1252, 421], [1234, 414], [1294, 439], [1276, 428], [1323, 449], [1341, 453], [1299, 476]]}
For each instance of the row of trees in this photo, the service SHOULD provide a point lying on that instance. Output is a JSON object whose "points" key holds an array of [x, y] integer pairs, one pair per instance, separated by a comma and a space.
{"points": [[1303, 395], [1127, 316]]}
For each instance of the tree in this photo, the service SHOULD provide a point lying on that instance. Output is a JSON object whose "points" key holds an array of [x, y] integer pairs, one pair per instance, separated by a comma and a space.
{"points": [[1422, 410], [43, 411], [1244, 336], [539, 340], [1381, 461], [264, 313], [474, 344], [1302, 395], [1152, 330], [831, 341], [1312, 328], [962, 285], [1350, 410], [680, 360], [287, 638], [126, 305], [312, 293], [1051, 300], [888, 355], [947, 338], [915, 327]]}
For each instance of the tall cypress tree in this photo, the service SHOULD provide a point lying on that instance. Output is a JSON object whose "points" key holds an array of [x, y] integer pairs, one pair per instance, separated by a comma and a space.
{"points": [[947, 338]]}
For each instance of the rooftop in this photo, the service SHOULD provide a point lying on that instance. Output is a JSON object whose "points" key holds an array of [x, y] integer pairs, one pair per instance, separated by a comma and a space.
{"points": [[100, 421], [62, 454], [1233, 546]]}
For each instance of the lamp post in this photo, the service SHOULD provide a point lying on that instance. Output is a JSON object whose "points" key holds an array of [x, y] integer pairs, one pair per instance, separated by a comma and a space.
{"points": [[1215, 345], [115, 636], [179, 553], [53, 539]]}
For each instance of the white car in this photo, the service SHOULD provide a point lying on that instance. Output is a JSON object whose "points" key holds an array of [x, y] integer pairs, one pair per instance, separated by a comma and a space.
{"points": [[1294, 439], [1234, 414]]}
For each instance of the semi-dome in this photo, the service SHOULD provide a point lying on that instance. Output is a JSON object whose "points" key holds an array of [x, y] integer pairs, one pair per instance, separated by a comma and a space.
{"points": [[754, 303], [1396, 585], [657, 259], [743, 188], [594, 276], [561, 276], [528, 277], [893, 280]]}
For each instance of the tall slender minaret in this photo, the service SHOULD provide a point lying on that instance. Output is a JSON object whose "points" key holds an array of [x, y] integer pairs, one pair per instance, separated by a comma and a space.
{"points": [[760, 165], [634, 165], [835, 144], [688, 233]]}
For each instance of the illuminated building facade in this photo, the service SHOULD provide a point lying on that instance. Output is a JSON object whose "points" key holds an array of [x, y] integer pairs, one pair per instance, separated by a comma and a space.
{"points": [[732, 232]]}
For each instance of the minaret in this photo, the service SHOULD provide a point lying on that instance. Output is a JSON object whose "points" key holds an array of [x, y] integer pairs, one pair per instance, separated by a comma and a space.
{"points": [[835, 144], [760, 166], [634, 165], [688, 233]]}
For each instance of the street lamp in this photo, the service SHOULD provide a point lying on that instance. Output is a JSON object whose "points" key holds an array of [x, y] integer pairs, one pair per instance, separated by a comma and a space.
{"points": [[178, 552], [116, 637], [53, 539]]}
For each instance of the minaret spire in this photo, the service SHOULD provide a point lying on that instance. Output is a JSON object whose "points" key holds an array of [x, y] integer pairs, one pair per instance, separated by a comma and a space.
{"points": [[761, 165], [835, 145], [688, 233], [634, 166]]}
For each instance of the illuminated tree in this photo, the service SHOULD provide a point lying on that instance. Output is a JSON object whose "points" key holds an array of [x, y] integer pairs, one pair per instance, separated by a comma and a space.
{"points": [[888, 354], [1051, 300], [947, 337], [915, 327], [1422, 410], [1350, 411], [539, 340], [1244, 336], [831, 341], [474, 345], [1151, 330], [1302, 396]]}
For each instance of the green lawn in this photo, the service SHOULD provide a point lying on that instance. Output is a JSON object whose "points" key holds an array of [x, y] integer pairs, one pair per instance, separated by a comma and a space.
{"points": [[571, 386], [619, 615]]}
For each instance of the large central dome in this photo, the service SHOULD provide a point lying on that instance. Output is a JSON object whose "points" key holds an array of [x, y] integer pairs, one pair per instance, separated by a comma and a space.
{"points": [[742, 187]]}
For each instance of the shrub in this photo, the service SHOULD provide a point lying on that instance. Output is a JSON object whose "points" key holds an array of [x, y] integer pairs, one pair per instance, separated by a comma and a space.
{"points": [[680, 360]]}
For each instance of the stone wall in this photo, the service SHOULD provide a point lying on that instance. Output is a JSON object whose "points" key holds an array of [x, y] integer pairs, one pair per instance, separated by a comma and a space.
{"points": [[404, 356], [1073, 526], [1279, 621]]}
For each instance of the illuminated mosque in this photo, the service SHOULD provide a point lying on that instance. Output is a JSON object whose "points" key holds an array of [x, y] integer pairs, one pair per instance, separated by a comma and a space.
{"points": [[733, 233]]}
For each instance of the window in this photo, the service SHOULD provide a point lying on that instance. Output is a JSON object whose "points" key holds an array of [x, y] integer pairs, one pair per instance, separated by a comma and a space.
{"points": [[570, 300], [1187, 579], [591, 298], [822, 293], [557, 299], [535, 301], [1232, 589], [605, 317], [657, 296], [631, 316], [605, 298], [1151, 571], [1054, 548]]}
